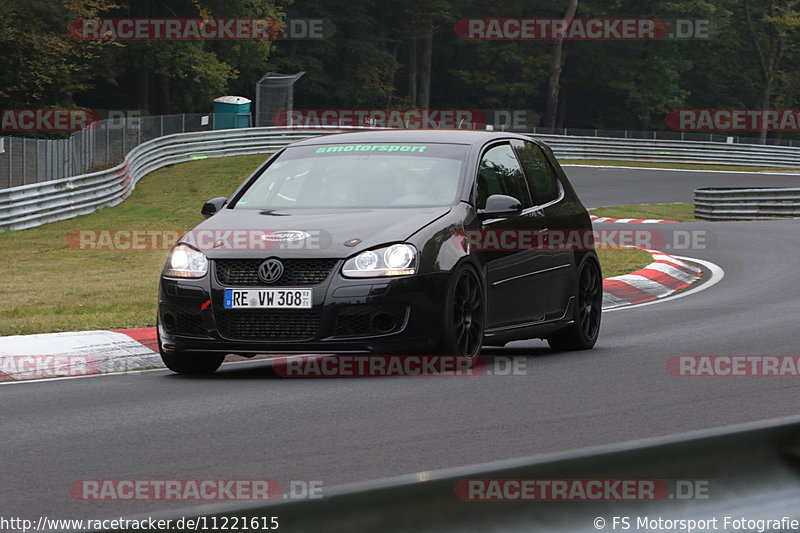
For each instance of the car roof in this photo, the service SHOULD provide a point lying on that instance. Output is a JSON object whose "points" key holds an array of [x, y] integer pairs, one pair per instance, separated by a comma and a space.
{"points": [[468, 137]]}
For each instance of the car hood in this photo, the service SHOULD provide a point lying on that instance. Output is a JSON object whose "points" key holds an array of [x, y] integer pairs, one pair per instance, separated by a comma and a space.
{"points": [[307, 232]]}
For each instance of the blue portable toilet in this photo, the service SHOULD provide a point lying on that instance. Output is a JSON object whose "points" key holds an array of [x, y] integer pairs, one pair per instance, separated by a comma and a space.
{"points": [[231, 112]]}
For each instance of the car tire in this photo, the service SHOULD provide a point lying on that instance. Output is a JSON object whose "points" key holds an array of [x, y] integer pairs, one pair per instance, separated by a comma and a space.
{"points": [[464, 315], [189, 363], [583, 332]]}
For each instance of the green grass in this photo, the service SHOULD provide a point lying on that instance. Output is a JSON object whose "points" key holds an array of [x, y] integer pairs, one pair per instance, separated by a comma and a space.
{"points": [[49, 286], [660, 164], [616, 261], [679, 212]]}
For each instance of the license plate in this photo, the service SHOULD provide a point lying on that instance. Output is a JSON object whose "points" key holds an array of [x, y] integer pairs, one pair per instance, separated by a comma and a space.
{"points": [[267, 298]]}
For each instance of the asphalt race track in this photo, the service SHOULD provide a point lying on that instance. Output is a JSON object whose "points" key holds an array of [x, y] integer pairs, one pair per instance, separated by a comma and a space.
{"points": [[246, 422], [598, 187]]}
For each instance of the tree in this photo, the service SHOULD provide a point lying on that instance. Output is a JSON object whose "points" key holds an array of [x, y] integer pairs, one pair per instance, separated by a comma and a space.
{"points": [[772, 29], [353, 68], [555, 73], [40, 63]]}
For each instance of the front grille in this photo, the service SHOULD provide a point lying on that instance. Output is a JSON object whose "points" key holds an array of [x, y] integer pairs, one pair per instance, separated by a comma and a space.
{"points": [[369, 319], [296, 272], [179, 321], [268, 324]]}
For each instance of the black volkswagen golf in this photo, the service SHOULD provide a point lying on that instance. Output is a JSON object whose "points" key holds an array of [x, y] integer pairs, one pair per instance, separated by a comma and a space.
{"points": [[385, 242]]}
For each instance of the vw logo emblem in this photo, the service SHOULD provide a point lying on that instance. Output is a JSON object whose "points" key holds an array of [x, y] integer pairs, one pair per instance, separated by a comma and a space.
{"points": [[270, 271]]}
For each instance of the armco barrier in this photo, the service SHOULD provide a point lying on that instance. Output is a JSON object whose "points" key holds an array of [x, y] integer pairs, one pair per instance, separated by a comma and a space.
{"points": [[672, 151], [32, 205], [750, 471], [722, 203]]}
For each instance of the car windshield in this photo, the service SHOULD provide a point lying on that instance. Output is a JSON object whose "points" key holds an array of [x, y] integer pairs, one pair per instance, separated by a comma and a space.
{"points": [[371, 175]]}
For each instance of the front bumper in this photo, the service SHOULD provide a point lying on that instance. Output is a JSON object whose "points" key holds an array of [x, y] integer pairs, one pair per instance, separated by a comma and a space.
{"points": [[378, 315]]}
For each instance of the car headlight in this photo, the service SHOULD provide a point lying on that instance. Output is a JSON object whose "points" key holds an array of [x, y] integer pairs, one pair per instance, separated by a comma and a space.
{"points": [[394, 260], [186, 262]]}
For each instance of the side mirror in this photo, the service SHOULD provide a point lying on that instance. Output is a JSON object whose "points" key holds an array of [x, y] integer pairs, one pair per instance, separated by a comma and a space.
{"points": [[500, 206], [213, 206]]}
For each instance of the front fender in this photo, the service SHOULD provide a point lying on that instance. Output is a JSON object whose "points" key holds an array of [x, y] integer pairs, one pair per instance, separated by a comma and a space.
{"points": [[442, 244]]}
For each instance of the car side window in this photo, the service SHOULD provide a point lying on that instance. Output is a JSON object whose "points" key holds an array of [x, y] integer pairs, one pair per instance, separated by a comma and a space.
{"points": [[539, 173], [500, 173]]}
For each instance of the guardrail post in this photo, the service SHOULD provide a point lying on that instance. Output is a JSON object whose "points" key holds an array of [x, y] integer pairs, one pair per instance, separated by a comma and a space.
{"points": [[90, 139], [162, 125], [10, 163], [183, 122], [108, 143], [91, 147]]}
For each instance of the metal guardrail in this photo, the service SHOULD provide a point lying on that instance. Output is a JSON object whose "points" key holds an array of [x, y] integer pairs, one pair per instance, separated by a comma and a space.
{"points": [[723, 203], [750, 471], [672, 151], [25, 160], [31, 205], [710, 136], [103, 144], [28, 206]]}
